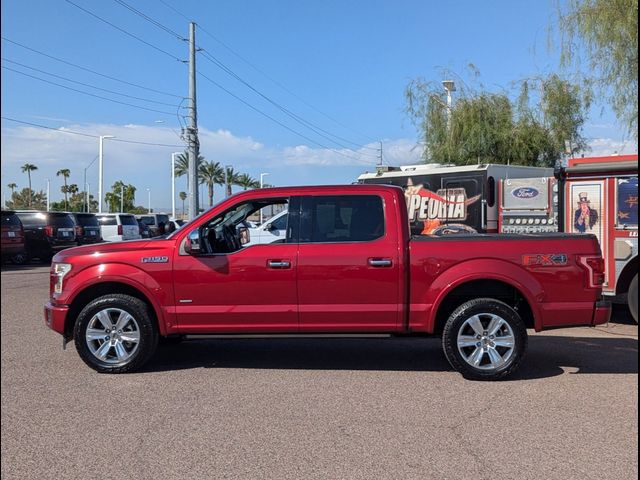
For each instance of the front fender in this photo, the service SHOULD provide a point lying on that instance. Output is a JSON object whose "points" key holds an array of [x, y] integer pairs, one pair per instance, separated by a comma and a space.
{"points": [[484, 269], [119, 273]]}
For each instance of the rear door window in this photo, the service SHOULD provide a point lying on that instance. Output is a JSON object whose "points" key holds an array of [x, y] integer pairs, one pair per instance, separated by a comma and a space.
{"points": [[128, 220], [331, 219], [107, 220], [148, 220], [37, 219], [163, 219], [88, 220], [10, 220], [61, 220]]}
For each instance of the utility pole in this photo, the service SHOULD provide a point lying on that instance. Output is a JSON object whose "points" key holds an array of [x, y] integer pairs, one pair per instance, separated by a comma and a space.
{"points": [[192, 130], [122, 199], [380, 152], [48, 203]]}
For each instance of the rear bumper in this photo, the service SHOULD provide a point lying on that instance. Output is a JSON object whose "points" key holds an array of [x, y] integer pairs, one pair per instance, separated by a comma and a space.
{"points": [[55, 316], [9, 250], [602, 313]]}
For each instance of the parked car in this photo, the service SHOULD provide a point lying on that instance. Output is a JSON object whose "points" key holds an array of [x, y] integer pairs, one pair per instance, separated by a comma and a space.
{"points": [[13, 246], [116, 227], [157, 223], [144, 229], [272, 230], [348, 265], [87, 228], [46, 233]]}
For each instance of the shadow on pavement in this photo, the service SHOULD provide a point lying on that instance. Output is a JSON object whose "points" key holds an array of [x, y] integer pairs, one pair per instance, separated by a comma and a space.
{"points": [[32, 265], [546, 356]]}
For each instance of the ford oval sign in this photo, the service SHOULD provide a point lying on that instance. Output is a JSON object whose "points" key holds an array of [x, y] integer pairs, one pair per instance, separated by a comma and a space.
{"points": [[525, 192]]}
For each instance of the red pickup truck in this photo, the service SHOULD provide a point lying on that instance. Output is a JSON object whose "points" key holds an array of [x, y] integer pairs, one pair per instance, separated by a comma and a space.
{"points": [[346, 263]]}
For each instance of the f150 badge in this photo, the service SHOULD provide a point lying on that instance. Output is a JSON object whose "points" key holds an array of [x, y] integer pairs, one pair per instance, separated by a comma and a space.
{"points": [[155, 259]]}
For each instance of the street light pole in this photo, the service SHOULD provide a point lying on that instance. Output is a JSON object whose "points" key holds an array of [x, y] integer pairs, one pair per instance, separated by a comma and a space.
{"points": [[84, 182], [122, 199], [262, 175], [173, 183], [149, 193], [449, 86], [87, 196], [100, 171], [48, 202]]}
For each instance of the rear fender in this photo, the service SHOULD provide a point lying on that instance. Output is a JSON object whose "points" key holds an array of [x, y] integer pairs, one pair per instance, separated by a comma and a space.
{"points": [[127, 275], [485, 269]]}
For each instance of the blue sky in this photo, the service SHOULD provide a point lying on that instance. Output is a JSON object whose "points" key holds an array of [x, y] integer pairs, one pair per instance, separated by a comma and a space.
{"points": [[339, 66]]}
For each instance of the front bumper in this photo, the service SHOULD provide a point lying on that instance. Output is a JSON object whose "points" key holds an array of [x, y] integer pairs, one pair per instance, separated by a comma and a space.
{"points": [[55, 316], [602, 313]]}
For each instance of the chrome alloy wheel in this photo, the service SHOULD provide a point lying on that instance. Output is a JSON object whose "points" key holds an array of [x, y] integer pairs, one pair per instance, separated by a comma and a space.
{"points": [[113, 336], [486, 341]]}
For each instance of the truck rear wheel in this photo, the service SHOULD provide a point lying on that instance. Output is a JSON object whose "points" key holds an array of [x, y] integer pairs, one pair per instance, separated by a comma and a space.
{"points": [[632, 298], [115, 334], [484, 339]]}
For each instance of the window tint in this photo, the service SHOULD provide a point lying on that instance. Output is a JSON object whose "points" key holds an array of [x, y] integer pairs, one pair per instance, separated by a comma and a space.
{"points": [[148, 220], [63, 220], [128, 220], [33, 219], [107, 220], [163, 219], [87, 220], [10, 220], [357, 218]]}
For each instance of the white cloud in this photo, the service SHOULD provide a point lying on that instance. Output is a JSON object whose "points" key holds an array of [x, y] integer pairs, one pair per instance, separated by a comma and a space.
{"points": [[600, 147]]}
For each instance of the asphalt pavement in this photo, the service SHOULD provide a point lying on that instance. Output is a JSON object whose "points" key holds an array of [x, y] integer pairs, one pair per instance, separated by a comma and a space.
{"points": [[341, 408]]}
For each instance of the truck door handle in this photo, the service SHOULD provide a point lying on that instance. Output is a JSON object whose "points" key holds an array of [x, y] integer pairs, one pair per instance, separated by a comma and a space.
{"points": [[380, 262], [279, 264]]}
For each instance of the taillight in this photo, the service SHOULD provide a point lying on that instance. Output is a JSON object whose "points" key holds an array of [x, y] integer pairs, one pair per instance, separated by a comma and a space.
{"points": [[48, 230], [79, 231], [595, 270], [119, 229]]}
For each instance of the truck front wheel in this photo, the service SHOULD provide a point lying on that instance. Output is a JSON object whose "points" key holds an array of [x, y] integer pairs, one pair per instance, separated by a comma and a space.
{"points": [[484, 339], [115, 334]]}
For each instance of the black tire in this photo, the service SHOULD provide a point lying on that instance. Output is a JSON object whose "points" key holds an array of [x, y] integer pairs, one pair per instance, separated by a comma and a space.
{"points": [[632, 298], [19, 258], [513, 331], [143, 327]]}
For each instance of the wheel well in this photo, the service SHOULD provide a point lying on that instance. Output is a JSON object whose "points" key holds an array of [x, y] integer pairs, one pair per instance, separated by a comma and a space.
{"points": [[98, 290], [630, 270], [480, 289]]}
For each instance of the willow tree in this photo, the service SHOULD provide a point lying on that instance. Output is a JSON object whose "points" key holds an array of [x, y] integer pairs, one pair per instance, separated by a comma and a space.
{"points": [[602, 35], [489, 127]]}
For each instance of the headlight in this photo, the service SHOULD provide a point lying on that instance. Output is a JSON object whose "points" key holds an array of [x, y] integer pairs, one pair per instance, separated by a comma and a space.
{"points": [[59, 270]]}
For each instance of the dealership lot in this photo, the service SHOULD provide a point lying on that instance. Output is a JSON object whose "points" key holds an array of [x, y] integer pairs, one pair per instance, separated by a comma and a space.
{"points": [[313, 408]]}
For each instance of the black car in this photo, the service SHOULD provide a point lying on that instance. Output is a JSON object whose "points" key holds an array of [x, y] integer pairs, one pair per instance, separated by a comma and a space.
{"points": [[157, 223], [87, 228], [12, 238], [46, 233], [145, 232]]}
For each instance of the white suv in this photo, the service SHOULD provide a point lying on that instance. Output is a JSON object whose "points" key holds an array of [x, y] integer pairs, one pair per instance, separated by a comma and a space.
{"points": [[116, 227]]}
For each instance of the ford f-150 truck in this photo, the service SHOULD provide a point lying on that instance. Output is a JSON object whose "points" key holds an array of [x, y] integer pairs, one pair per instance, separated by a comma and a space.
{"points": [[347, 264]]}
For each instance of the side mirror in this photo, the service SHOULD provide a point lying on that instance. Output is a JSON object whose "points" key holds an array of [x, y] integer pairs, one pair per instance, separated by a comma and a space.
{"points": [[244, 235], [192, 245]]}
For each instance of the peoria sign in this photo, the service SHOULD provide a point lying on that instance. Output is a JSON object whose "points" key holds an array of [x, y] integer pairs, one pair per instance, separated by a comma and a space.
{"points": [[447, 204]]}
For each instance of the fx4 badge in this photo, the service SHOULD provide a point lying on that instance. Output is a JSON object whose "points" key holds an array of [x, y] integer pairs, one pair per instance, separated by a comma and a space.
{"points": [[545, 259], [155, 259]]}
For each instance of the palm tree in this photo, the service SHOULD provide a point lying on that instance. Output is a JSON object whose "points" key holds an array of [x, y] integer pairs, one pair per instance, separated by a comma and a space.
{"points": [[183, 197], [28, 168], [181, 166], [246, 181], [12, 186], [211, 173], [231, 179], [65, 172]]}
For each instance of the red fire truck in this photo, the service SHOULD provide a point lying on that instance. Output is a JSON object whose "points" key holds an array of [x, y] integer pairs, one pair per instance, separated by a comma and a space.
{"points": [[597, 195]]}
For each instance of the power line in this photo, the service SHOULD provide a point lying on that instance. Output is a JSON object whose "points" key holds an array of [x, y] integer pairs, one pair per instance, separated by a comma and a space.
{"points": [[91, 71], [276, 82], [123, 30], [149, 19], [88, 93], [279, 122], [87, 85], [315, 128], [63, 130]]}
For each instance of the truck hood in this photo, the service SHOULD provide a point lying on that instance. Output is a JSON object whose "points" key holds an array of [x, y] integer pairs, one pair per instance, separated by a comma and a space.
{"points": [[102, 248]]}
